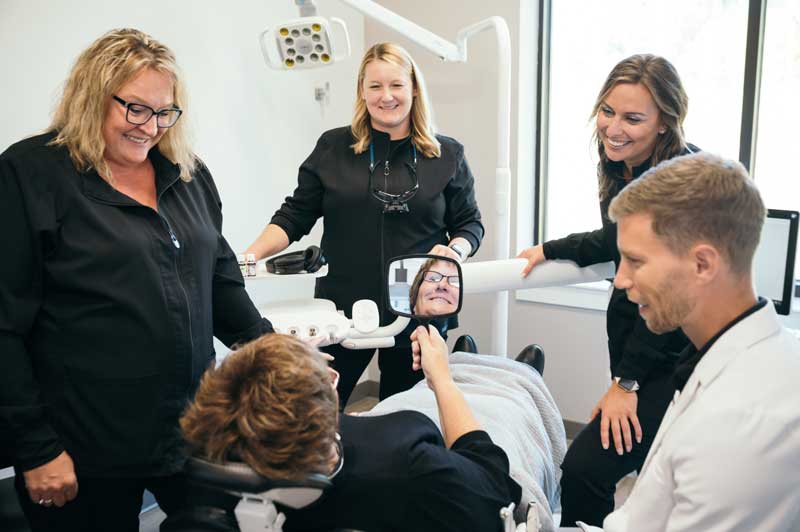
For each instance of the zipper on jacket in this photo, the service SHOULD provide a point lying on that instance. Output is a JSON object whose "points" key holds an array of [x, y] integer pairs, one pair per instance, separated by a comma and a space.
{"points": [[177, 244], [175, 241]]}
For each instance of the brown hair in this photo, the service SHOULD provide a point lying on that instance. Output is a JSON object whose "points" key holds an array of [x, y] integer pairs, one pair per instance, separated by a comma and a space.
{"points": [[699, 197], [269, 404], [413, 291], [99, 72], [423, 133], [662, 80]]}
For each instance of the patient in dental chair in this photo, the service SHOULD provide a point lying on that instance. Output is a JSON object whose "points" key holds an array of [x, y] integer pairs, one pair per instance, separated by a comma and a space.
{"points": [[272, 404]]}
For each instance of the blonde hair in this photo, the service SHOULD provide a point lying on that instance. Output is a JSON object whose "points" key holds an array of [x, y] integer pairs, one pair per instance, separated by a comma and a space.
{"points": [[423, 133], [662, 80], [99, 72], [269, 404], [699, 197]]}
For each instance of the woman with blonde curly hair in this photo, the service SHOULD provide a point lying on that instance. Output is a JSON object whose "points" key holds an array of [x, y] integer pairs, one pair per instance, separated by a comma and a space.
{"points": [[119, 280], [387, 185]]}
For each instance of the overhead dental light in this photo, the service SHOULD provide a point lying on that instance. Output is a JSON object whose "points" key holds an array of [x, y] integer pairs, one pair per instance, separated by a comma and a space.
{"points": [[302, 43], [305, 42]]}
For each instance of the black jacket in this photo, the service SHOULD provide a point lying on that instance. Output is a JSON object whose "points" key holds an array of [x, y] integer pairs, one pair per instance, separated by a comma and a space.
{"points": [[358, 238], [634, 350], [397, 476], [106, 324]]}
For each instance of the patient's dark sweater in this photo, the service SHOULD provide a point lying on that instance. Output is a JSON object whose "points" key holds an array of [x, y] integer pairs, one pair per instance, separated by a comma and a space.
{"points": [[398, 476]]}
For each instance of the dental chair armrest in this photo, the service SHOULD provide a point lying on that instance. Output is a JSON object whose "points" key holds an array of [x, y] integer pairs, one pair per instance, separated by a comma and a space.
{"points": [[240, 478]]}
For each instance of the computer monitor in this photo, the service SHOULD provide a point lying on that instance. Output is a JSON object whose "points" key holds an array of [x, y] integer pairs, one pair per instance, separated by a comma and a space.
{"points": [[773, 263]]}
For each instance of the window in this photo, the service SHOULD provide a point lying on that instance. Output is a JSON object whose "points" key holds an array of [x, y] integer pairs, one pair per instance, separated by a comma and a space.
{"points": [[704, 40], [709, 43], [775, 169]]}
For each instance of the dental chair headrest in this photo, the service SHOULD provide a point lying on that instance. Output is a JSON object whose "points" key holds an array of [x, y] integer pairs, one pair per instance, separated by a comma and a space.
{"points": [[240, 478]]}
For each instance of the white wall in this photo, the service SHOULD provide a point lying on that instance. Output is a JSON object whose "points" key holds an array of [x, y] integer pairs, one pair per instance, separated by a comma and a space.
{"points": [[464, 100]]}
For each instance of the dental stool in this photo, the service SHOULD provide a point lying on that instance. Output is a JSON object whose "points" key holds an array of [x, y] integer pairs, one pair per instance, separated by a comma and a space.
{"points": [[221, 485]]}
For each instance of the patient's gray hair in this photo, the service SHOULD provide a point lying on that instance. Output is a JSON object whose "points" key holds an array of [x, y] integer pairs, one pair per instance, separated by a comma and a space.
{"points": [[699, 198]]}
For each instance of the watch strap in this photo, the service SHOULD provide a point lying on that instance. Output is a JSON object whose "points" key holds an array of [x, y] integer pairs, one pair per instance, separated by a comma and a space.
{"points": [[629, 385], [461, 251]]}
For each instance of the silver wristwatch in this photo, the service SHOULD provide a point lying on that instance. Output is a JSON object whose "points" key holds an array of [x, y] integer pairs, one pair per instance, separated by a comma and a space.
{"points": [[461, 251]]}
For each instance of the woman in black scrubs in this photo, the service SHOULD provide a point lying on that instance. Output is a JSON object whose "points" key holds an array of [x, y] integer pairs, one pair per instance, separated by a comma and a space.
{"points": [[384, 186], [119, 280], [639, 123]]}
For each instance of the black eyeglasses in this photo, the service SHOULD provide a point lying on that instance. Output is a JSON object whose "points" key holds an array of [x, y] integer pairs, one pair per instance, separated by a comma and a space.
{"points": [[139, 113], [435, 277]]}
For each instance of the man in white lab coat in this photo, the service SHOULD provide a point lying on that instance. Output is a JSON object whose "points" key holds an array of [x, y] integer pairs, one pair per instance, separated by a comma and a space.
{"points": [[727, 454]]}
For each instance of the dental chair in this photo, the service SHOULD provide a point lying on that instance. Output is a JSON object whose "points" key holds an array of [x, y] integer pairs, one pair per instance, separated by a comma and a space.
{"points": [[256, 494], [249, 498], [241, 499], [235, 497]]}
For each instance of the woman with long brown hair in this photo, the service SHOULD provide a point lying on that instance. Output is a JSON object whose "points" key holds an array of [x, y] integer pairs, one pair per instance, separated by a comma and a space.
{"points": [[639, 116]]}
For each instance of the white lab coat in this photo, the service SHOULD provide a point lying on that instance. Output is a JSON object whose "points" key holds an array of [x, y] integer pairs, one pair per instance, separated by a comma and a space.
{"points": [[727, 454]]}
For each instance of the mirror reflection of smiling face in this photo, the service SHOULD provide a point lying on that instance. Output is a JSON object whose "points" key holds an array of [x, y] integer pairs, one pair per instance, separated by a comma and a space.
{"points": [[439, 291]]}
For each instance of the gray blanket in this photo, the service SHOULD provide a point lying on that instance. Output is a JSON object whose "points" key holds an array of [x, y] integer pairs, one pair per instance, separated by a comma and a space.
{"points": [[512, 403]]}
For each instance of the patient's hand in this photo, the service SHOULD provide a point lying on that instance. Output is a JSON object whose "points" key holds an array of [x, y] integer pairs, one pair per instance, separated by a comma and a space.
{"points": [[429, 353]]}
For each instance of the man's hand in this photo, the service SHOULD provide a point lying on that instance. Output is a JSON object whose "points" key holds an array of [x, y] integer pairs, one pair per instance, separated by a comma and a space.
{"points": [[535, 255], [429, 353], [53, 482], [618, 410]]}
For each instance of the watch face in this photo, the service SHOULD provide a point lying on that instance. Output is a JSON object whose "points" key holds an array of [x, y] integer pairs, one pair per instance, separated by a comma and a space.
{"points": [[629, 385]]}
